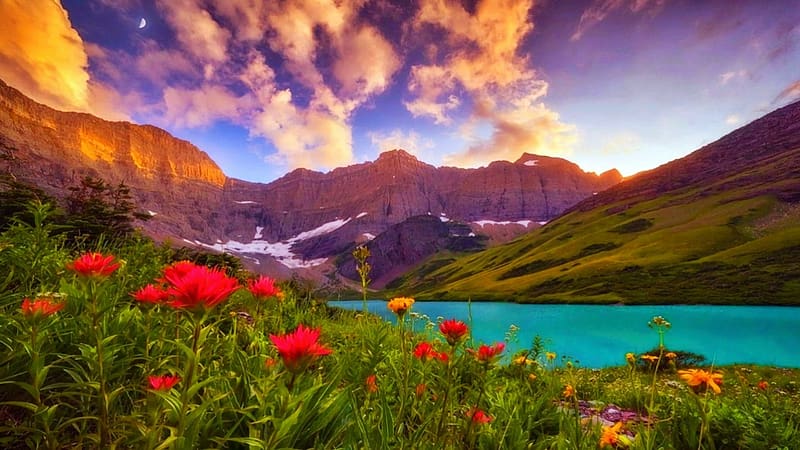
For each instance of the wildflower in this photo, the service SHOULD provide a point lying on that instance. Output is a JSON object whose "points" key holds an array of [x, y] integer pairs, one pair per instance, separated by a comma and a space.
{"points": [[630, 358], [198, 286], [93, 265], [551, 356], [426, 352], [270, 363], [523, 360], [177, 270], [763, 385], [150, 294], [371, 382], [263, 287], [163, 382], [702, 380], [299, 348], [478, 416], [611, 436], [671, 355], [420, 389], [399, 305], [41, 307], [532, 377], [487, 353], [569, 391], [453, 330], [649, 358]]}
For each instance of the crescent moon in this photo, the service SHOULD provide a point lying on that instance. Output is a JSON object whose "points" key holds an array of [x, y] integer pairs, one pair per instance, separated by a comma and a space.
{"points": [[142, 23]]}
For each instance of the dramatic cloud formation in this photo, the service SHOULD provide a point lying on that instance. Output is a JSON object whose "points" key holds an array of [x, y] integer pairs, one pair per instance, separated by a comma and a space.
{"points": [[600, 9], [790, 94], [49, 67], [483, 65]]}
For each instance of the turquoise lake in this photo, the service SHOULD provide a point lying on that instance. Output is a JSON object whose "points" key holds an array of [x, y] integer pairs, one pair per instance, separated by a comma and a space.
{"points": [[599, 336]]}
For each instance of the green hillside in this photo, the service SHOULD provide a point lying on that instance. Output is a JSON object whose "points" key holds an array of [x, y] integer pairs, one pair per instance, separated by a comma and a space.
{"points": [[729, 235]]}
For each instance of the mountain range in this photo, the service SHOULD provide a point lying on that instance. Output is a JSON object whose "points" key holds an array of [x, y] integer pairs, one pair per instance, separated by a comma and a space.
{"points": [[721, 225], [306, 220]]}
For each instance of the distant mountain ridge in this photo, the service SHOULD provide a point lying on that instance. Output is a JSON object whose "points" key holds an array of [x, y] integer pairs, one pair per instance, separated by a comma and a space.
{"points": [[721, 225], [192, 200]]}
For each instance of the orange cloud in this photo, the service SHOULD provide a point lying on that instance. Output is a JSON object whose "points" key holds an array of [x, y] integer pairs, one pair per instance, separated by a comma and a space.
{"points": [[483, 64], [790, 94], [196, 29], [51, 66], [192, 108]]}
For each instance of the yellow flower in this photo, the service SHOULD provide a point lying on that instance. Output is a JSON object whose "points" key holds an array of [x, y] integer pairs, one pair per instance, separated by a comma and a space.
{"points": [[532, 376], [399, 305], [701, 380], [671, 355], [649, 358], [610, 435], [523, 360], [569, 391], [550, 356], [631, 358]]}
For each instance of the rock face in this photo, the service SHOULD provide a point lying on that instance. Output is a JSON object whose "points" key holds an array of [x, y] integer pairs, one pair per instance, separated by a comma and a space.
{"points": [[303, 216]]}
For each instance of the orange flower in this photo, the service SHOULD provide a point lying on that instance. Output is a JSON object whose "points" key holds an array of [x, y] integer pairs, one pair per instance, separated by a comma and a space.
{"points": [[478, 416], [197, 286], [163, 382], [610, 436], [420, 389], [372, 384], [93, 265], [487, 353], [763, 385], [41, 307], [649, 358], [150, 294], [399, 305], [300, 348], [671, 355], [263, 287], [569, 391], [453, 330], [701, 380], [630, 358]]}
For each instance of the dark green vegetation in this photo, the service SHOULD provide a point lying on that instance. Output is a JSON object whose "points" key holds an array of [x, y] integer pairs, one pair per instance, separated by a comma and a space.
{"points": [[721, 226]]}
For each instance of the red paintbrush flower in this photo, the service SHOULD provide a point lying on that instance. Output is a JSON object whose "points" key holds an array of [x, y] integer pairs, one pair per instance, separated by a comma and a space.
{"points": [[198, 286], [177, 269], [93, 265], [372, 383], [163, 382], [424, 351], [41, 307], [299, 348], [478, 416], [263, 287], [453, 330], [150, 294], [486, 353]]}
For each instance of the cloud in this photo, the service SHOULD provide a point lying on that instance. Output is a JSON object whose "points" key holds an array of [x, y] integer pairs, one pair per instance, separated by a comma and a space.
{"points": [[49, 67], [196, 29], [727, 77], [477, 62], [600, 9], [410, 141], [789, 94], [200, 107], [733, 119]]}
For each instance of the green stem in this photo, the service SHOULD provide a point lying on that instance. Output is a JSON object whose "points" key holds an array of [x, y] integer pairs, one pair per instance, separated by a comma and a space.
{"points": [[190, 373], [102, 397], [447, 376]]}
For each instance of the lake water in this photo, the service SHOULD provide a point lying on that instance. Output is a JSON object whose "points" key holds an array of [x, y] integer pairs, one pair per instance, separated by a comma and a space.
{"points": [[599, 336]]}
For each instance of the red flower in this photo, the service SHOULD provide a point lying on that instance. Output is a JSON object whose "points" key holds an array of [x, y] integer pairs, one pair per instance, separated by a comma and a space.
{"points": [[763, 385], [150, 294], [478, 416], [178, 270], [453, 330], [41, 307], [94, 265], [263, 287], [371, 382], [424, 351], [487, 353], [163, 382], [300, 348], [197, 286], [420, 389]]}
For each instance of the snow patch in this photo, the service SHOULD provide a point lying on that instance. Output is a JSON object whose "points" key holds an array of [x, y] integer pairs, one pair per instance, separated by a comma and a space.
{"points": [[368, 236], [531, 162], [152, 213], [524, 223], [444, 219], [360, 215], [325, 228], [246, 202], [258, 234]]}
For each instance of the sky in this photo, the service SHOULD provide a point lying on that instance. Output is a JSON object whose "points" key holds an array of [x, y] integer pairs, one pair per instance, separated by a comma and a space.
{"points": [[268, 86]]}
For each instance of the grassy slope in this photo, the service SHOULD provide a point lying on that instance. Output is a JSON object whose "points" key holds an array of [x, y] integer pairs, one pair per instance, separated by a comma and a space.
{"points": [[724, 243]]}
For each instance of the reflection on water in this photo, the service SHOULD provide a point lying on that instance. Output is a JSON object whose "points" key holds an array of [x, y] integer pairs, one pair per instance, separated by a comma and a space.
{"points": [[599, 336]]}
